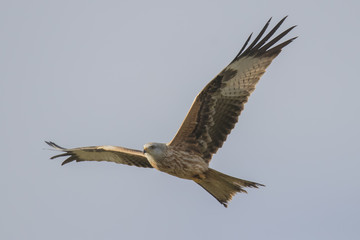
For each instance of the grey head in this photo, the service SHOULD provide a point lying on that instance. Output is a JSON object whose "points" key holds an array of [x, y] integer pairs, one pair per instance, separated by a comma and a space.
{"points": [[156, 150]]}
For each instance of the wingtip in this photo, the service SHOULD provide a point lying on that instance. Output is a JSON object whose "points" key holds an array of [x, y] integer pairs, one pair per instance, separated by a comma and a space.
{"points": [[63, 163], [68, 160], [282, 20], [60, 155], [54, 145], [53, 157], [291, 28], [51, 144], [290, 40]]}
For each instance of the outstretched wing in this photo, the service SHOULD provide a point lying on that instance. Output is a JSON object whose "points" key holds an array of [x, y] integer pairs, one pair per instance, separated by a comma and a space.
{"points": [[103, 153], [217, 107]]}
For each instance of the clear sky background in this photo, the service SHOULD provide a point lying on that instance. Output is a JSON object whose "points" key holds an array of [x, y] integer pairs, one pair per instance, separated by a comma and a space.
{"points": [[125, 73]]}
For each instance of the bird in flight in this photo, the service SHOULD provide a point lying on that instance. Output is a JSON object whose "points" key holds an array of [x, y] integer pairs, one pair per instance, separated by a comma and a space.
{"points": [[205, 128]]}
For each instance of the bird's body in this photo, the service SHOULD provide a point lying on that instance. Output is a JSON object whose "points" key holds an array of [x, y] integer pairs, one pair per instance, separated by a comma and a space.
{"points": [[209, 121], [175, 162]]}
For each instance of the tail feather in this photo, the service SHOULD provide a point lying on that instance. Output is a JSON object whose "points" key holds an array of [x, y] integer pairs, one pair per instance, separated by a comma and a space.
{"points": [[223, 187]]}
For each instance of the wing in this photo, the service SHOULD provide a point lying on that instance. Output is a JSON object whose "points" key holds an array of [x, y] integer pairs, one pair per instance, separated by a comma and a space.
{"points": [[217, 107], [103, 153]]}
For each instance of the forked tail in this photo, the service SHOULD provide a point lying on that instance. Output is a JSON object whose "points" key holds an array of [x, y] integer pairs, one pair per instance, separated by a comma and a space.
{"points": [[223, 187]]}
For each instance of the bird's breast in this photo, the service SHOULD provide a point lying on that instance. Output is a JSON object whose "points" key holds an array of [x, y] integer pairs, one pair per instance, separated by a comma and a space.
{"points": [[180, 164]]}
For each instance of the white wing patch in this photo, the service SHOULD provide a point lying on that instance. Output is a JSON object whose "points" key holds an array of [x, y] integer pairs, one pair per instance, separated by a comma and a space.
{"points": [[108, 148], [249, 70], [98, 156]]}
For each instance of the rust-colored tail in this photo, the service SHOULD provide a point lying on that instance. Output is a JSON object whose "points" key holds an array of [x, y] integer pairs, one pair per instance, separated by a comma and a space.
{"points": [[223, 187]]}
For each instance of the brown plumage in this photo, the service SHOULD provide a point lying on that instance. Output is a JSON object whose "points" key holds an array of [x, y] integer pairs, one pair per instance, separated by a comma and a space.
{"points": [[204, 130], [213, 114]]}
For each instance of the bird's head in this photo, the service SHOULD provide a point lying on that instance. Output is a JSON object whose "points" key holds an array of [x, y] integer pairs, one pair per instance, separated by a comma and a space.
{"points": [[156, 150]]}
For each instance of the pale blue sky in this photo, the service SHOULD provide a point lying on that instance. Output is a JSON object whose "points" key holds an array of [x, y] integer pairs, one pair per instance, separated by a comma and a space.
{"points": [[125, 73]]}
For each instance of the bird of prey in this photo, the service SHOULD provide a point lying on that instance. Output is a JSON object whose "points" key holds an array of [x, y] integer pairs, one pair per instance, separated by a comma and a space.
{"points": [[205, 128]]}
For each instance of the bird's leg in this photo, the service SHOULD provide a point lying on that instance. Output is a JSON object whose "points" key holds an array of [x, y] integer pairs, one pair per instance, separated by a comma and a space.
{"points": [[198, 177]]}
